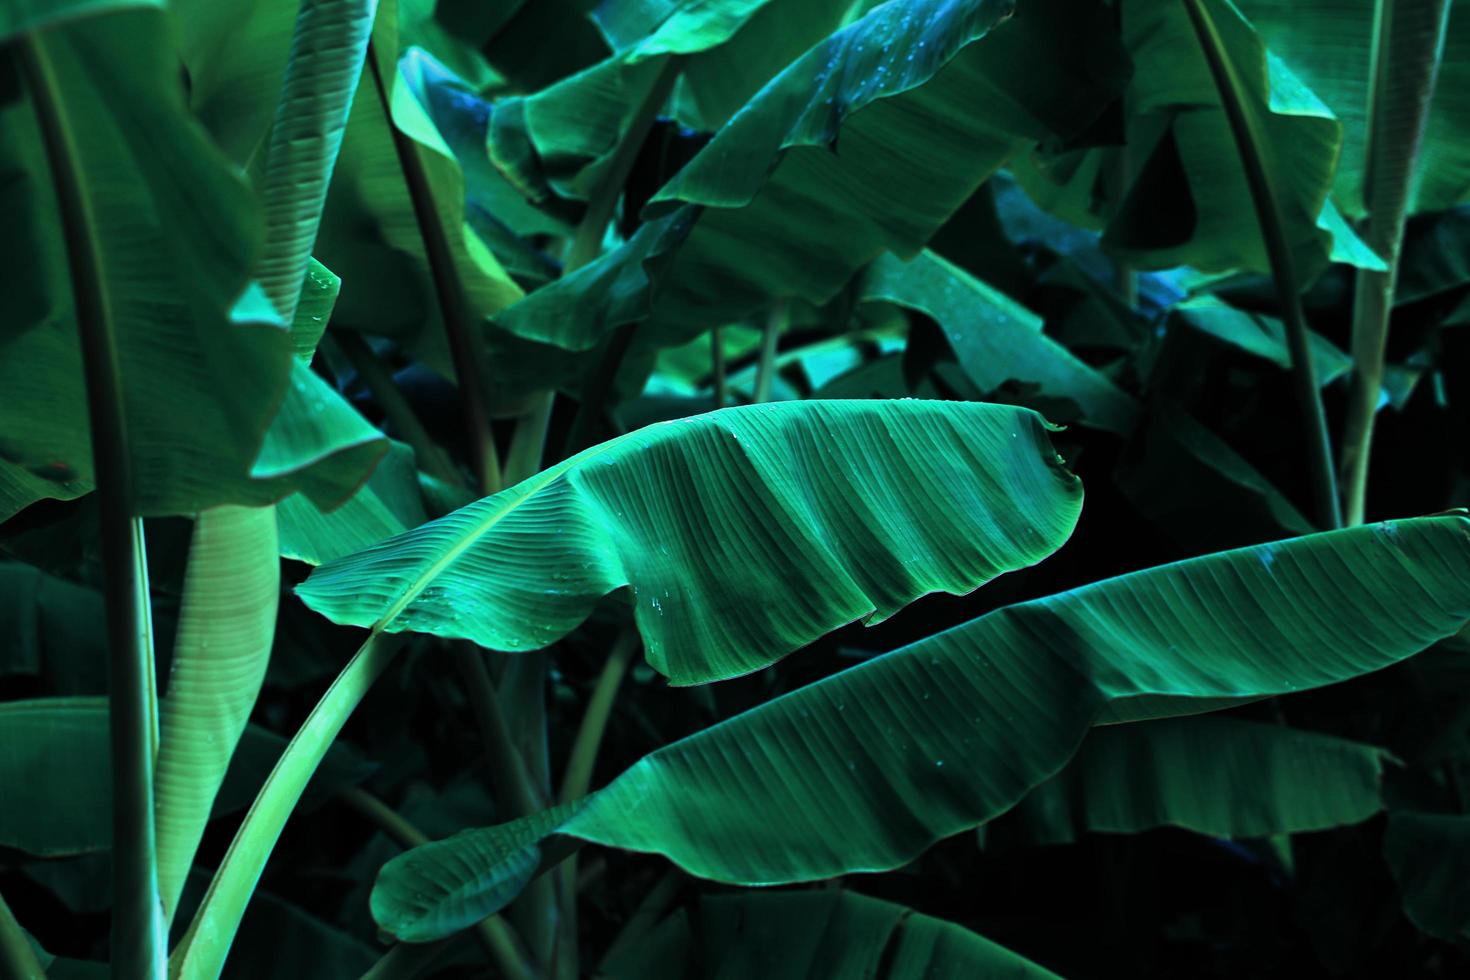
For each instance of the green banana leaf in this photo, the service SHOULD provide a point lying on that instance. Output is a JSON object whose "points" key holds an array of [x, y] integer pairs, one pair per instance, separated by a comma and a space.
{"points": [[998, 341], [1429, 855], [1214, 775], [178, 233], [1329, 46], [812, 935], [388, 504], [371, 234], [1188, 202], [867, 768], [742, 535], [227, 622], [56, 749], [822, 171]]}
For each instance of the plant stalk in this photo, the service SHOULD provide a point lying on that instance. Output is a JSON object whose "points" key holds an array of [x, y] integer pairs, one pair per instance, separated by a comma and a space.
{"points": [[578, 777], [765, 373], [460, 325], [17, 957], [1408, 45], [587, 245], [201, 953], [717, 367], [139, 937], [1248, 145]]}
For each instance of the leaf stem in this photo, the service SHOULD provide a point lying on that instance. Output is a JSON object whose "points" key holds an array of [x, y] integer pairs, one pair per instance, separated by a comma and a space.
{"points": [[139, 938], [578, 775], [1408, 45], [202, 951], [500, 941], [1248, 144], [17, 957], [430, 455], [460, 325], [765, 374], [511, 785], [528, 442], [717, 367]]}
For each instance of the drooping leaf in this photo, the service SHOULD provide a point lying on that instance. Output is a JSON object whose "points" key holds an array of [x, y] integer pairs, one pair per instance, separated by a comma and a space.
{"points": [[872, 765], [866, 143], [1213, 775], [1189, 203], [997, 340], [742, 534], [1329, 46], [56, 786], [204, 366], [388, 504], [1429, 854], [813, 935]]}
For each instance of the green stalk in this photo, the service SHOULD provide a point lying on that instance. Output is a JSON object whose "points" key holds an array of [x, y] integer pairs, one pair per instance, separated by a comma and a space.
{"points": [[1248, 144], [460, 325], [511, 785], [717, 367], [493, 933], [528, 442], [578, 777], [406, 960], [201, 953], [765, 373], [648, 914], [139, 937], [17, 957], [430, 455], [1408, 45]]}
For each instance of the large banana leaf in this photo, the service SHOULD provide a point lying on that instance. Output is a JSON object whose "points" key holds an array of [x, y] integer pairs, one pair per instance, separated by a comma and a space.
{"points": [[869, 767], [998, 341], [204, 367], [56, 785], [866, 143], [812, 935], [1189, 203], [743, 534], [1329, 46], [1218, 776]]}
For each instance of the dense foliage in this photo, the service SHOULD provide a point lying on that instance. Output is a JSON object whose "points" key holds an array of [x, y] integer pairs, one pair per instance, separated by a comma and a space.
{"points": [[484, 483]]}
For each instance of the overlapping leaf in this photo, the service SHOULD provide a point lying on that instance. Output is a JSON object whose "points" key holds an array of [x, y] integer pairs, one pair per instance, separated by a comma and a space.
{"points": [[812, 935], [872, 765], [742, 535], [1218, 776]]}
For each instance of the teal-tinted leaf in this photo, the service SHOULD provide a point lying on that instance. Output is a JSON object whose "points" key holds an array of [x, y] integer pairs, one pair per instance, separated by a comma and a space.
{"points": [[1176, 110], [866, 143], [56, 785], [204, 366], [1213, 775], [388, 504], [52, 629], [997, 340], [1429, 854], [813, 935], [742, 534], [1260, 336], [870, 766], [1329, 45], [20, 16]]}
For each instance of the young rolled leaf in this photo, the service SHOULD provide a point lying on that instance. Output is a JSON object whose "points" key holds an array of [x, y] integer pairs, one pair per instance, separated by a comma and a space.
{"points": [[869, 767], [813, 935], [743, 534], [1219, 776]]}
